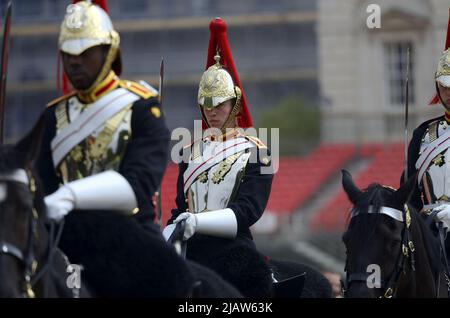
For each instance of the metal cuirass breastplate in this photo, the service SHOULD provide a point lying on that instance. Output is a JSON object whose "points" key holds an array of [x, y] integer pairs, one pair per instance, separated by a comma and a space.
{"points": [[102, 150], [215, 187], [435, 183]]}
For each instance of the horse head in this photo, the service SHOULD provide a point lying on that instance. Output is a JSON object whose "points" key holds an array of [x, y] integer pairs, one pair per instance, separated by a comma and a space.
{"points": [[385, 242], [22, 214]]}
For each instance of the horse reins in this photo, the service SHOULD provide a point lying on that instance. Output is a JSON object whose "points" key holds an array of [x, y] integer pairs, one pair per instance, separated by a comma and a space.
{"points": [[31, 276], [407, 250]]}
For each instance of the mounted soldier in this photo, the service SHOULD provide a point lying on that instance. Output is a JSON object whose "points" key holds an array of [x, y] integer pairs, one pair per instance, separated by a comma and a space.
{"points": [[107, 132], [223, 189], [105, 149], [429, 157], [428, 153]]}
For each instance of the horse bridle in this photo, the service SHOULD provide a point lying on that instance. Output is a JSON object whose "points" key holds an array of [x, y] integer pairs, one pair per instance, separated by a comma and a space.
{"points": [[28, 259], [407, 250]]}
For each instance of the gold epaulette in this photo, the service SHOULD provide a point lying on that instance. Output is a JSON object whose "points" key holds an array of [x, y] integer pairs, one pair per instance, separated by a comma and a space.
{"points": [[137, 88], [256, 141], [60, 99]]}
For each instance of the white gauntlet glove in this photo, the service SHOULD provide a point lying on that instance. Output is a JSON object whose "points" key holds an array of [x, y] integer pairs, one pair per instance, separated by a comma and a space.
{"points": [[218, 223], [443, 215], [108, 190], [190, 225], [59, 203]]}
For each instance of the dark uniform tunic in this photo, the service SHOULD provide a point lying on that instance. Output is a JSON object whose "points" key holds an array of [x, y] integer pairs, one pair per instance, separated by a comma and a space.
{"points": [[237, 260], [138, 149], [434, 186], [121, 257], [431, 189]]}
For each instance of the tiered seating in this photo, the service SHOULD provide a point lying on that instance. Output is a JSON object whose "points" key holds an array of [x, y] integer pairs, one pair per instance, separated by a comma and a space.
{"points": [[385, 168], [298, 179]]}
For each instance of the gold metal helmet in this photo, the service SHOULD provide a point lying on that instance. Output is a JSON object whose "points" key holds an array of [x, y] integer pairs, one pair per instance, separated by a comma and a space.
{"points": [[442, 75], [216, 86], [86, 25]]}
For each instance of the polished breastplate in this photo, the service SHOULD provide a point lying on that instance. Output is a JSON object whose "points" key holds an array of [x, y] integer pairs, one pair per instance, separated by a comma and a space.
{"points": [[215, 187], [435, 182], [102, 150]]}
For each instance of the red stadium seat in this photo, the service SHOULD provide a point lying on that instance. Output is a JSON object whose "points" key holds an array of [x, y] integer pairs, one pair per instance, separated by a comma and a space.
{"points": [[385, 168]]}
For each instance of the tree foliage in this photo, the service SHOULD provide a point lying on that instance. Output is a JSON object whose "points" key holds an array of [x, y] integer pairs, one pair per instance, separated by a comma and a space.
{"points": [[298, 122]]}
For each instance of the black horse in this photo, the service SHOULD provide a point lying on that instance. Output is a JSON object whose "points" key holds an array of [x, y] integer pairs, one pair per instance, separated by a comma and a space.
{"points": [[30, 262], [128, 261], [392, 249], [288, 279]]}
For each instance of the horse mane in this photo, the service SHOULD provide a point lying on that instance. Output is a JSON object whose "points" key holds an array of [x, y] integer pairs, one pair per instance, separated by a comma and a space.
{"points": [[161, 272], [377, 196], [430, 239], [11, 159]]}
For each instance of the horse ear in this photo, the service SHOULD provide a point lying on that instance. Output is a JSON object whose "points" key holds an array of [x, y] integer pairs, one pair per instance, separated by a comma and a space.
{"points": [[31, 143], [350, 187], [403, 193]]}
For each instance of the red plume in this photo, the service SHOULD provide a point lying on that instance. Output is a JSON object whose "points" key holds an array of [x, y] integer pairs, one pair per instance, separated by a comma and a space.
{"points": [[218, 41], [101, 3], [62, 82], [447, 40], [435, 99]]}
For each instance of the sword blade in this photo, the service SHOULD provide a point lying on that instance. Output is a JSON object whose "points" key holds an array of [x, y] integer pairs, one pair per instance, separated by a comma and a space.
{"points": [[161, 81], [4, 67], [406, 112], [160, 98]]}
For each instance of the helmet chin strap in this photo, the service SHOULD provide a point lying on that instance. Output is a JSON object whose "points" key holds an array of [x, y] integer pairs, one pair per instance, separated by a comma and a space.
{"points": [[447, 107], [231, 119], [107, 66]]}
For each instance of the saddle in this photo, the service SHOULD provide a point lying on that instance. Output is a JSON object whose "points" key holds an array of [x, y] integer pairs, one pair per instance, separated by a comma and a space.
{"points": [[282, 288]]}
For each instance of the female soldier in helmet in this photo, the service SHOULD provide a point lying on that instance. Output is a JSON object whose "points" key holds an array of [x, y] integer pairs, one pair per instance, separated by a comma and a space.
{"points": [[222, 190]]}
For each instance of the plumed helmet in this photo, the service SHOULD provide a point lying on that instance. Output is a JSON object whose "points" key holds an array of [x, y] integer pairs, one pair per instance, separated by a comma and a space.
{"points": [[86, 25], [441, 67], [216, 86], [442, 75], [220, 82]]}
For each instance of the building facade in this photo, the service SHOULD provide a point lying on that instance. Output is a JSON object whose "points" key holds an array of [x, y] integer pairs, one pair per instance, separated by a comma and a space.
{"points": [[273, 44], [362, 70]]}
